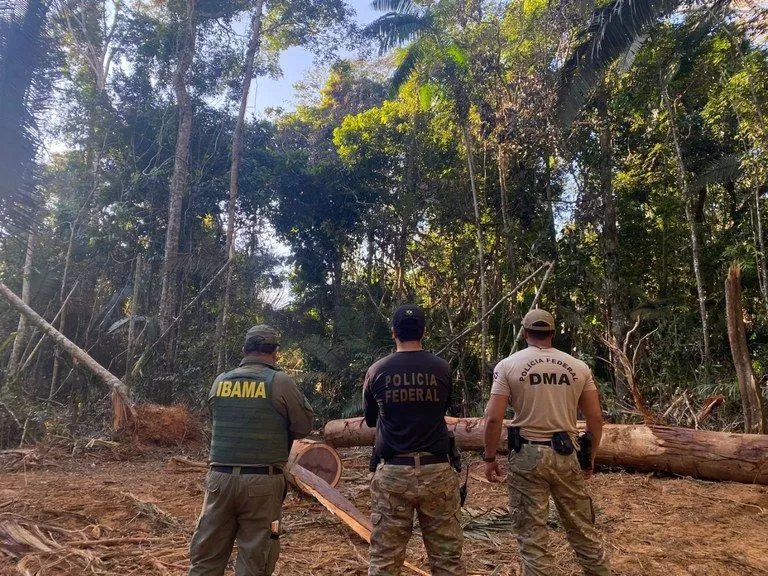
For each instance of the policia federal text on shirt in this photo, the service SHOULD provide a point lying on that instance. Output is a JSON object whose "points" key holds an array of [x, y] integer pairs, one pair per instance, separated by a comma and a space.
{"points": [[405, 396]]}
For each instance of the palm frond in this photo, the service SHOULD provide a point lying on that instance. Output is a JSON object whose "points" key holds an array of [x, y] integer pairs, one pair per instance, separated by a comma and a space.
{"points": [[394, 29], [725, 169], [400, 6], [612, 31], [406, 67], [24, 84]]}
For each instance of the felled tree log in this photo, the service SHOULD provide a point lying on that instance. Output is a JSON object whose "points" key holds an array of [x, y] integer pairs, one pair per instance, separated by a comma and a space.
{"points": [[122, 407], [684, 451], [336, 503], [317, 457], [354, 432]]}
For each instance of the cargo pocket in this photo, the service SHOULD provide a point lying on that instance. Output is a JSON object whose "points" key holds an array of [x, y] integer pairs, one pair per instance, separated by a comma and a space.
{"points": [[525, 460], [442, 499], [259, 487]]}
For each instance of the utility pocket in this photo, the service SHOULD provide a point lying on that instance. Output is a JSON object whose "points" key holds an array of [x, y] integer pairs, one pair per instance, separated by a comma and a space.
{"points": [[440, 497], [215, 480], [259, 487], [525, 460]]}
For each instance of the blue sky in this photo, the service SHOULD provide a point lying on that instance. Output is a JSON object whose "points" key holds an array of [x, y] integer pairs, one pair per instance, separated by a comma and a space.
{"points": [[295, 63]]}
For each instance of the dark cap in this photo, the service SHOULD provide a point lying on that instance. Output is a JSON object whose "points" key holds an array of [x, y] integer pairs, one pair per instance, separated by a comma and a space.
{"points": [[539, 320], [262, 334], [409, 312]]}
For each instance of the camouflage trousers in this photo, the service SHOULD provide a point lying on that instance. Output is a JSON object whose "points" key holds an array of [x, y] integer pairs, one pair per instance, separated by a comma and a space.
{"points": [[432, 491], [535, 474], [242, 508]]}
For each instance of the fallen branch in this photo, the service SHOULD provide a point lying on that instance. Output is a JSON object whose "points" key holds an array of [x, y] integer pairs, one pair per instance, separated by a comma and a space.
{"points": [[153, 512], [121, 403], [519, 334], [492, 308]]}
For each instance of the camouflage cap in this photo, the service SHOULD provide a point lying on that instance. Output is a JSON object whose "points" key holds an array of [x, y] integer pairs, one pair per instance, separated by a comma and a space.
{"points": [[262, 334], [539, 320]]}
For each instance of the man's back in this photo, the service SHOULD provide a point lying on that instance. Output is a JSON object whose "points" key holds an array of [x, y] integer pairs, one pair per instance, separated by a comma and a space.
{"points": [[544, 386], [410, 393]]}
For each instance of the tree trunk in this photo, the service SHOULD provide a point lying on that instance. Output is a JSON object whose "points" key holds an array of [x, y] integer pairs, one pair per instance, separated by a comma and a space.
{"points": [[684, 451], [615, 321], [506, 218], [132, 321], [21, 331], [762, 269], [694, 231], [178, 185], [480, 250], [121, 403], [237, 146], [754, 420]]}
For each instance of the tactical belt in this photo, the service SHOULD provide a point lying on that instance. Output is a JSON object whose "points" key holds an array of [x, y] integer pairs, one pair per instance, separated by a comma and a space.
{"points": [[536, 442], [266, 470], [413, 460]]}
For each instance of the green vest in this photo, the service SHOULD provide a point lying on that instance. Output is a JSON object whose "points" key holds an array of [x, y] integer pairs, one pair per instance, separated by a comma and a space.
{"points": [[247, 430]]}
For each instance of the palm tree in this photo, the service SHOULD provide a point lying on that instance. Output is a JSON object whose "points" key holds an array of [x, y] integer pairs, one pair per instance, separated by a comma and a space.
{"points": [[615, 30], [24, 87], [444, 65]]}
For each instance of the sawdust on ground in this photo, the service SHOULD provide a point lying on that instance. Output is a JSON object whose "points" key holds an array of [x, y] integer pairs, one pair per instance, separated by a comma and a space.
{"points": [[135, 518]]}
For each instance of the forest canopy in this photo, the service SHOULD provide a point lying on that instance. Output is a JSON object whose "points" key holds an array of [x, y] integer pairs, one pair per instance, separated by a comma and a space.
{"points": [[606, 162]]}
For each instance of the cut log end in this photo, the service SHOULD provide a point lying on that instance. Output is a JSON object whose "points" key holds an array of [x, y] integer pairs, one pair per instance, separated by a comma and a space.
{"points": [[319, 458]]}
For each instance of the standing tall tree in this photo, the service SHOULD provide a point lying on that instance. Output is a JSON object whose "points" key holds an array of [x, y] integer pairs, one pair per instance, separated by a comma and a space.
{"points": [[185, 51], [431, 46]]}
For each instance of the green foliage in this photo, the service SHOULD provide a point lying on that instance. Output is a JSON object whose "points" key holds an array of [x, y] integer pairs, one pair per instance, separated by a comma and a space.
{"points": [[357, 200]]}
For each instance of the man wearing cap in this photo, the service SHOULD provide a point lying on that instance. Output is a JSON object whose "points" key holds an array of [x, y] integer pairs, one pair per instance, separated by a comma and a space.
{"points": [[405, 396], [545, 387], [257, 412]]}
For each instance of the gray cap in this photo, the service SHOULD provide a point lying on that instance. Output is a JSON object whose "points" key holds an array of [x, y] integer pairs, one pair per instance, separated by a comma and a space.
{"points": [[262, 334], [539, 320]]}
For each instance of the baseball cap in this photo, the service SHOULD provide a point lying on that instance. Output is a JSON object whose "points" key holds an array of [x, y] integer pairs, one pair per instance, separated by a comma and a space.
{"points": [[262, 334], [540, 320], [409, 312]]}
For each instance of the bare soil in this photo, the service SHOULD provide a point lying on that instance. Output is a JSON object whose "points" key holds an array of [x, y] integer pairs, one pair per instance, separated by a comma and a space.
{"points": [[128, 511]]}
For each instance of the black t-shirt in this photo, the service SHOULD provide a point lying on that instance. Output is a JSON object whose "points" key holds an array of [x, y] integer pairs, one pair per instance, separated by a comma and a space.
{"points": [[406, 395]]}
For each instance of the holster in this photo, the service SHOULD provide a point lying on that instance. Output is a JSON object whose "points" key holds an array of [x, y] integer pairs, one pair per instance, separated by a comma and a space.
{"points": [[373, 463], [585, 450], [514, 439], [453, 452], [562, 443]]}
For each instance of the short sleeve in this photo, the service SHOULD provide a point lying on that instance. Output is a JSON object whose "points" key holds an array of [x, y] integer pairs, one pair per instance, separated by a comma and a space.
{"points": [[589, 381], [500, 380]]}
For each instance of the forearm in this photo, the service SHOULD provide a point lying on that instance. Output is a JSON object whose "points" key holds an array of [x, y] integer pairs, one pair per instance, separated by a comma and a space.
{"points": [[595, 426], [492, 435]]}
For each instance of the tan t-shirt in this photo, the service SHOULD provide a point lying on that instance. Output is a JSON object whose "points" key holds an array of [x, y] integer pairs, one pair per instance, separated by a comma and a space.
{"points": [[544, 386]]}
